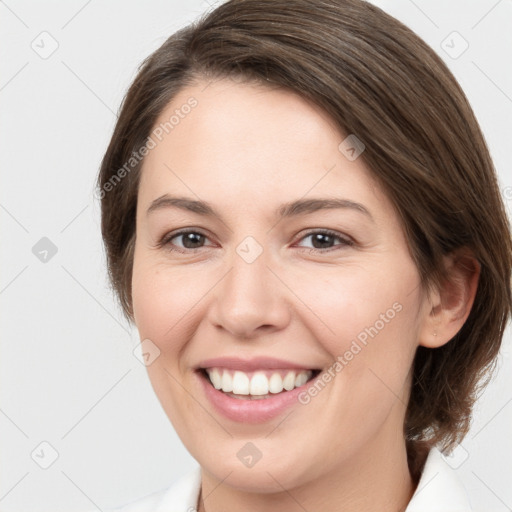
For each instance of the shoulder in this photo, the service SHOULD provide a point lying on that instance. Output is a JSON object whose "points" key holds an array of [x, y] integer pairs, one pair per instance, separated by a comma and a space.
{"points": [[181, 496], [439, 489]]}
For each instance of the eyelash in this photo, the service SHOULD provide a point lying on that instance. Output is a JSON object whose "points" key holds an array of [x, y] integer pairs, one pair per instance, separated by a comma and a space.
{"points": [[165, 242]]}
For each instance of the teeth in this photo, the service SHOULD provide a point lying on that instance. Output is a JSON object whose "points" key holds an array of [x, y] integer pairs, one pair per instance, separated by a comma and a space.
{"points": [[289, 381], [216, 378], [240, 384], [227, 382], [275, 384], [258, 383], [301, 379]]}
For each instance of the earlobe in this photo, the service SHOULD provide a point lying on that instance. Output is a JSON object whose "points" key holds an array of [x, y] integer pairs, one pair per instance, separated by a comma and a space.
{"points": [[451, 302]]}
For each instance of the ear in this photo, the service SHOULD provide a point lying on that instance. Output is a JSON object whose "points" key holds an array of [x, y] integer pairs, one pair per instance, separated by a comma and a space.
{"points": [[450, 304]]}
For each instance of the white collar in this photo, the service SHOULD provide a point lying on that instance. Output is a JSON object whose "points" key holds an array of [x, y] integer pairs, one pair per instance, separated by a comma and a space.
{"points": [[439, 490]]}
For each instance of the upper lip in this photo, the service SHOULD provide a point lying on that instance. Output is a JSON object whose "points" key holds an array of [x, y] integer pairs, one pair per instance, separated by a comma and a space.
{"points": [[256, 363]]}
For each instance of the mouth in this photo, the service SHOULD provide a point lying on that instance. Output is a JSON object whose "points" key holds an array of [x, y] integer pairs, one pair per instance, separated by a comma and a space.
{"points": [[258, 384]]}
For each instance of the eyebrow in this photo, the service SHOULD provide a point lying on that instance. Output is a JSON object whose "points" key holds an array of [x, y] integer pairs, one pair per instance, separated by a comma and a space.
{"points": [[286, 210]]}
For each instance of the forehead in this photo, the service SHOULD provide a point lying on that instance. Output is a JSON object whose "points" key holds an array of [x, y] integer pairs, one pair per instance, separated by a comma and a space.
{"points": [[250, 143]]}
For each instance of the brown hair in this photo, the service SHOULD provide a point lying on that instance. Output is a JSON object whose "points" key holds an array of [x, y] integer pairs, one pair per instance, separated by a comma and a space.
{"points": [[380, 81]]}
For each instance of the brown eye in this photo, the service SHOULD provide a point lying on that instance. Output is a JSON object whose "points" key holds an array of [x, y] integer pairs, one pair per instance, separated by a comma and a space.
{"points": [[189, 240], [322, 241]]}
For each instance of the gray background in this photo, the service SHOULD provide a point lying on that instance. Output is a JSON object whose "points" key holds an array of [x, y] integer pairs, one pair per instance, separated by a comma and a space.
{"points": [[69, 376]]}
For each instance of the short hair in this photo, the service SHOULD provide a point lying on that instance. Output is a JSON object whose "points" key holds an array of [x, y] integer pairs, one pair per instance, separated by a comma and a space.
{"points": [[378, 80]]}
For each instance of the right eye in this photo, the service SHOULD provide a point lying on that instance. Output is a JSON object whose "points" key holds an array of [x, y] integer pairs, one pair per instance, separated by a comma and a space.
{"points": [[190, 240]]}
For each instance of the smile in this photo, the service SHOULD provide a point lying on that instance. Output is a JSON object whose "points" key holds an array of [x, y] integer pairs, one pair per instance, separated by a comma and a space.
{"points": [[255, 390], [257, 384]]}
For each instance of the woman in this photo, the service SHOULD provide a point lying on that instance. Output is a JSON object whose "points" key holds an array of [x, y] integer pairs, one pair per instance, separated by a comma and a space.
{"points": [[303, 221]]}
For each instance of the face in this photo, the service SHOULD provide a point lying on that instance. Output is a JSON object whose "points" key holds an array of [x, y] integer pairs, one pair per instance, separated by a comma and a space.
{"points": [[274, 288]]}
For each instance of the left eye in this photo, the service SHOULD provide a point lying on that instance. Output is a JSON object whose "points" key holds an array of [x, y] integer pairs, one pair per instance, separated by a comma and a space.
{"points": [[322, 238]]}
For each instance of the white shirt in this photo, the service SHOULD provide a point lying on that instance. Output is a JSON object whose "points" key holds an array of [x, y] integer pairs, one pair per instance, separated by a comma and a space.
{"points": [[439, 490]]}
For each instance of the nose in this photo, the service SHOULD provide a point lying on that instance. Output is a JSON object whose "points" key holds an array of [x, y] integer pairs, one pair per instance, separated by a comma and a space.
{"points": [[250, 300]]}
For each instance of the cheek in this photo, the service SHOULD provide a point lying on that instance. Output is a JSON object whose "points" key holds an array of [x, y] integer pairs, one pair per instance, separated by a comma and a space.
{"points": [[162, 304], [372, 326], [346, 302], [369, 326], [161, 300]]}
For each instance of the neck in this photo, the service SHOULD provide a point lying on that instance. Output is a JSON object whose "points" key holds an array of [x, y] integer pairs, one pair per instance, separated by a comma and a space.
{"points": [[371, 480]]}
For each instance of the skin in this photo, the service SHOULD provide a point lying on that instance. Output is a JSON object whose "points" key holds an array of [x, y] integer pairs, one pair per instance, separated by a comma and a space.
{"points": [[247, 149]]}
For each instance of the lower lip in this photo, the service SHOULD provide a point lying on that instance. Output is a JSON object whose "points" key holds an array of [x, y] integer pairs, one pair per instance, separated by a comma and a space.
{"points": [[251, 411]]}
